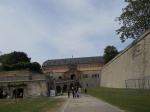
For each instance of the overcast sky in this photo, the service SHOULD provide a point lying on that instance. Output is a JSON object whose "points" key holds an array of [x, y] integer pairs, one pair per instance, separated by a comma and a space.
{"points": [[56, 29]]}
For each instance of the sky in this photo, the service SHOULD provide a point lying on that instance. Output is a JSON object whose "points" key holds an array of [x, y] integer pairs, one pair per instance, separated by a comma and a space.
{"points": [[58, 29]]}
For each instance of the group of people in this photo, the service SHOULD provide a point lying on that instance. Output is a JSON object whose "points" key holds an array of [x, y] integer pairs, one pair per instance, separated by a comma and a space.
{"points": [[76, 92], [3, 94]]}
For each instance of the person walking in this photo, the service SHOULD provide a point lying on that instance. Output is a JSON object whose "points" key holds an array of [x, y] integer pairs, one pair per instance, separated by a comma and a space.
{"points": [[73, 92], [85, 91], [79, 90], [68, 91]]}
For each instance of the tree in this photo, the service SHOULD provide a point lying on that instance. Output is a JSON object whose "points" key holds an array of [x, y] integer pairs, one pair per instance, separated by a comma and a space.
{"points": [[18, 61], [14, 58], [109, 53], [23, 66], [35, 66], [135, 19]]}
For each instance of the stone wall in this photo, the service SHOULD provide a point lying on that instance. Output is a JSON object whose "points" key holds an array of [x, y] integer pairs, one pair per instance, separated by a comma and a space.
{"points": [[37, 88], [17, 72], [36, 83], [132, 62], [90, 78]]}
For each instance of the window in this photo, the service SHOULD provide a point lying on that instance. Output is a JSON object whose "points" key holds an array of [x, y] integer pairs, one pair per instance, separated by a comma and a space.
{"points": [[85, 76], [60, 77]]}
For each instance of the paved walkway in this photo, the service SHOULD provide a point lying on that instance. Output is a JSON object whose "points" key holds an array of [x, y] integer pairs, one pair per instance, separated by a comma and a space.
{"points": [[87, 104]]}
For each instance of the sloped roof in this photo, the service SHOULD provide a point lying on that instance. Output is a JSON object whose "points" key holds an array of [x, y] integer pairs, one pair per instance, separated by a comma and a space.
{"points": [[81, 60]]}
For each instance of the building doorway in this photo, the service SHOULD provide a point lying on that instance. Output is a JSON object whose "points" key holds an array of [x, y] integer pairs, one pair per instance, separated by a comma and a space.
{"points": [[20, 93], [58, 88], [73, 76], [65, 88]]}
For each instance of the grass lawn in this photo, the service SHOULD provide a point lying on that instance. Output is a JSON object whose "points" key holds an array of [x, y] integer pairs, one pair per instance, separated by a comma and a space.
{"points": [[31, 105], [122, 99]]}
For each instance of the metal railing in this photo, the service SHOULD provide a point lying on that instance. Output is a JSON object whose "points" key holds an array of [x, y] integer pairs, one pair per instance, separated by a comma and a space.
{"points": [[138, 85]]}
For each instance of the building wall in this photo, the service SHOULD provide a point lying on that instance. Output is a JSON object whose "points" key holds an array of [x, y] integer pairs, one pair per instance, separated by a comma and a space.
{"points": [[33, 89], [90, 78], [37, 88], [132, 62], [17, 72], [36, 83], [64, 68]]}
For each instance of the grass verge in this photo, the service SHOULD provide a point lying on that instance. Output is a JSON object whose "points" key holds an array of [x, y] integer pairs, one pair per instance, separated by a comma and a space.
{"points": [[121, 99], [31, 105]]}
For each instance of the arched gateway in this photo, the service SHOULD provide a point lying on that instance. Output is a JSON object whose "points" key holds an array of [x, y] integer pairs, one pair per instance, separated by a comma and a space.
{"points": [[69, 79]]}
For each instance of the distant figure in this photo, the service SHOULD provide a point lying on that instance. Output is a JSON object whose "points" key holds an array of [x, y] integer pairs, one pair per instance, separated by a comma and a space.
{"points": [[79, 90], [68, 91], [3, 94], [85, 91], [73, 92], [61, 92], [21, 95]]}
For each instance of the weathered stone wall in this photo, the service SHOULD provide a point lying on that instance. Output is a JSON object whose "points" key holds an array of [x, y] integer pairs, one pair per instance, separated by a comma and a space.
{"points": [[36, 83], [132, 62], [17, 72], [37, 88], [90, 78], [57, 75]]}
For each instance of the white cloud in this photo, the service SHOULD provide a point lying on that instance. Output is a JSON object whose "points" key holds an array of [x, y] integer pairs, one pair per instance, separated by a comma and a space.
{"points": [[59, 29]]}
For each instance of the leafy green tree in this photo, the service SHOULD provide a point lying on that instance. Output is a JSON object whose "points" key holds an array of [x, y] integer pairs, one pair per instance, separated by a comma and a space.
{"points": [[135, 19], [14, 58], [109, 53], [35, 66], [6, 67], [18, 61], [23, 66]]}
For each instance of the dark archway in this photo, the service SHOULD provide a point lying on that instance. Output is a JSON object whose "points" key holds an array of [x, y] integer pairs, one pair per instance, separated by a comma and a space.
{"points": [[71, 85], [58, 88], [65, 88], [20, 93], [73, 76]]}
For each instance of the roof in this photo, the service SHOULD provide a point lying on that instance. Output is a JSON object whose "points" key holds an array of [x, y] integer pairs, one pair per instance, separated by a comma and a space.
{"points": [[82, 60]]}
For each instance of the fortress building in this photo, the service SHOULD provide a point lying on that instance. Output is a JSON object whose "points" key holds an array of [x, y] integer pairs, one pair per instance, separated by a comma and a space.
{"points": [[70, 72], [57, 75], [83, 64]]}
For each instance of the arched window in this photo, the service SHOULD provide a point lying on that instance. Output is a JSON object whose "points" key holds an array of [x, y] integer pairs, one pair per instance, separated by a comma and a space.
{"points": [[58, 88], [73, 76]]}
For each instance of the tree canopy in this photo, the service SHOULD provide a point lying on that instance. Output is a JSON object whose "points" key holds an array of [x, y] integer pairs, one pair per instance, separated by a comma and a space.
{"points": [[14, 58], [18, 61], [109, 53], [135, 19]]}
